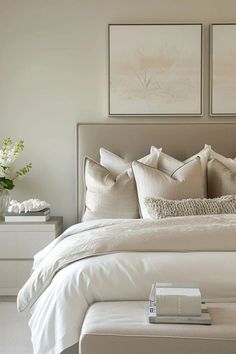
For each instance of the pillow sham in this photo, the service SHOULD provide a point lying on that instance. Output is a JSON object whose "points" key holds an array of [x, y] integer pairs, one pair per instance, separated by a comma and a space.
{"points": [[221, 180], [185, 182], [221, 175], [112, 162], [107, 196], [117, 165], [169, 164], [160, 208], [226, 161]]}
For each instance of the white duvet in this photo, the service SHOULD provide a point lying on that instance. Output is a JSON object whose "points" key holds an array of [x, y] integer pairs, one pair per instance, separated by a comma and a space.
{"points": [[118, 260]]}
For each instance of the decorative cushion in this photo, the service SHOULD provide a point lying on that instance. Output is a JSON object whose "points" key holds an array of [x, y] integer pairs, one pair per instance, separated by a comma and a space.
{"points": [[226, 161], [113, 163], [169, 164], [221, 175], [221, 180], [111, 197], [162, 208], [117, 165], [185, 182]]}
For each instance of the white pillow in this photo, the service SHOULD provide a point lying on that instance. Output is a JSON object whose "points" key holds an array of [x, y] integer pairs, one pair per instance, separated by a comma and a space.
{"points": [[169, 164], [185, 182], [111, 197], [221, 180], [117, 165], [221, 175], [226, 161]]}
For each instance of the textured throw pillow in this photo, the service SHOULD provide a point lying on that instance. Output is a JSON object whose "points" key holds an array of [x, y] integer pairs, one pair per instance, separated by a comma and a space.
{"points": [[108, 196], [221, 180], [185, 182], [169, 164], [162, 208]]}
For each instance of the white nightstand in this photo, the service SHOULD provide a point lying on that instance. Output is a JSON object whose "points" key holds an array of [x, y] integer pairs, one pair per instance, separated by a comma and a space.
{"points": [[18, 244]]}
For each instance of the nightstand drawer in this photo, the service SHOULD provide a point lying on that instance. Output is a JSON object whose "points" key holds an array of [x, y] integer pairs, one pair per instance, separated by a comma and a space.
{"points": [[13, 275], [23, 244], [19, 242]]}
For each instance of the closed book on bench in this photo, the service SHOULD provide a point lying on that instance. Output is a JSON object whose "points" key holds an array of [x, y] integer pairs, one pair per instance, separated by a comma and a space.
{"points": [[204, 319], [174, 301]]}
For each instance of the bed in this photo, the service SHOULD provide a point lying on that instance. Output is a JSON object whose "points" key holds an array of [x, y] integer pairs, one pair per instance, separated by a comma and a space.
{"points": [[117, 260]]}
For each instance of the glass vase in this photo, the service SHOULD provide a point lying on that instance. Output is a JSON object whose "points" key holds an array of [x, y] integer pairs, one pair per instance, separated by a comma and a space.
{"points": [[4, 202]]}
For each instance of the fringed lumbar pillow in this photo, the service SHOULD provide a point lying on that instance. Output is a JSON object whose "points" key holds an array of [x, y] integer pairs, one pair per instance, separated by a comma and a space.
{"points": [[159, 208]]}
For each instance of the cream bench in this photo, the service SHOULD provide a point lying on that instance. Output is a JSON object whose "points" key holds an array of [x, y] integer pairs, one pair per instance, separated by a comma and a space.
{"points": [[123, 328]]}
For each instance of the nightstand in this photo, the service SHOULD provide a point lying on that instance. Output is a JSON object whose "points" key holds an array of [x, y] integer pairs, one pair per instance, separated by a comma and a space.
{"points": [[19, 242]]}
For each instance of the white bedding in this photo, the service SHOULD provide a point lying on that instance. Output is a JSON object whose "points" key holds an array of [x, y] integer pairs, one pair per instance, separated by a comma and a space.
{"points": [[128, 256]]}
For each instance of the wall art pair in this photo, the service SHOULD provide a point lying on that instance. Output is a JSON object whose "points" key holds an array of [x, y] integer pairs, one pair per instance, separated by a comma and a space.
{"points": [[157, 69]]}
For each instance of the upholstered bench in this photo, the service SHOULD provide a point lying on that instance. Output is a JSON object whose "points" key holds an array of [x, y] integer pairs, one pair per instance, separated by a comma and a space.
{"points": [[123, 328]]}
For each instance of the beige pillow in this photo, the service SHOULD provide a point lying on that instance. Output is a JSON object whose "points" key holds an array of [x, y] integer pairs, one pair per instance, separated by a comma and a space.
{"points": [[108, 196], [221, 171], [221, 180], [169, 164], [185, 182], [162, 208]]}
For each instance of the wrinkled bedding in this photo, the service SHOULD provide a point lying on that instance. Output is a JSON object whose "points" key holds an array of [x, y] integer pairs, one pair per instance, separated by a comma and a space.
{"points": [[108, 260]]}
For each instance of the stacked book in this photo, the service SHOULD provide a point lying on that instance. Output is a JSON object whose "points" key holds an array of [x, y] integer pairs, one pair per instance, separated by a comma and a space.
{"points": [[30, 216], [177, 305]]}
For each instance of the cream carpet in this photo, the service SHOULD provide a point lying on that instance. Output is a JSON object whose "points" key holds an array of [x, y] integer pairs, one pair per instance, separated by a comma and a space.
{"points": [[14, 331]]}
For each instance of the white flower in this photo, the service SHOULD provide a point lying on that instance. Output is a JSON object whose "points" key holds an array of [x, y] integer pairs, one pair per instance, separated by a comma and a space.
{"points": [[7, 158], [2, 172], [8, 154]]}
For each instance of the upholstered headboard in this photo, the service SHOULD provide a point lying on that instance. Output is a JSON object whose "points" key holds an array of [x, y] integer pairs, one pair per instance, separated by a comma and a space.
{"points": [[132, 141]]}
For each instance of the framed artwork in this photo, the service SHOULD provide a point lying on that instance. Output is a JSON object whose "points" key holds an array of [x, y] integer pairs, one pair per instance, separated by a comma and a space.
{"points": [[223, 70], [155, 69]]}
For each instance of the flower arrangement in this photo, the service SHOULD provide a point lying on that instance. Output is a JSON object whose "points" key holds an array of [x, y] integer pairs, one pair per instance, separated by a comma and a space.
{"points": [[9, 152]]}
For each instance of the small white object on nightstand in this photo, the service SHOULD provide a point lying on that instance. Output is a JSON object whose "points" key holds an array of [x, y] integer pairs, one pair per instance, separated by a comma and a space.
{"points": [[19, 242]]}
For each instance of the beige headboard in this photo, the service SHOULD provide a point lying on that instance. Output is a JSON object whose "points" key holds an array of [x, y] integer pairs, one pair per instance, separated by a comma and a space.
{"points": [[132, 141]]}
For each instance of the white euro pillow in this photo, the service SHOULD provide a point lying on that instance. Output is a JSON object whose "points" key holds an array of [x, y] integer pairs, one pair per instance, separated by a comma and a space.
{"points": [[185, 182], [221, 180], [169, 164], [117, 165], [221, 175], [108, 196], [226, 161]]}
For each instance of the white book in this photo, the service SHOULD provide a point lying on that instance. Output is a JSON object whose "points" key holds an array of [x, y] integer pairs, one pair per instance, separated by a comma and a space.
{"points": [[178, 301], [204, 319], [154, 317], [27, 218]]}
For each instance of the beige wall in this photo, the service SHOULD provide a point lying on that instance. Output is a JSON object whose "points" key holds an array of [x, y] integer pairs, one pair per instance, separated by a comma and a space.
{"points": [[53, 73]]}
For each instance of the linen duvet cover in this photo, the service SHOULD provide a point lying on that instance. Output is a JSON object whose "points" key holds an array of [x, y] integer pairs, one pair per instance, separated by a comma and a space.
{"points": [[107, 260]]}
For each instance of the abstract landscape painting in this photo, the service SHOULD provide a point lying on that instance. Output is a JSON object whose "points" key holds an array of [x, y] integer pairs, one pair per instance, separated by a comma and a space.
{"points": [[223, 69], [155, 69]]}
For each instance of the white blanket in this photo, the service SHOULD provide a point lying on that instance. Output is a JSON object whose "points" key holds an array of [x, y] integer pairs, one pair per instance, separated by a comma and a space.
{"points": [[130, 260]]}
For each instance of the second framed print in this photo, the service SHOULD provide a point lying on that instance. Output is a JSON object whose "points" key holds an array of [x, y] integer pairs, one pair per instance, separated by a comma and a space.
{"points": [[155, 69], [223, 70]]}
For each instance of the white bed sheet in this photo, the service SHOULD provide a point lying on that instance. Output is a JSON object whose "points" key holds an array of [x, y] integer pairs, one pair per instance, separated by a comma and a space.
{"points": [[200, 250], [57, 316]]}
